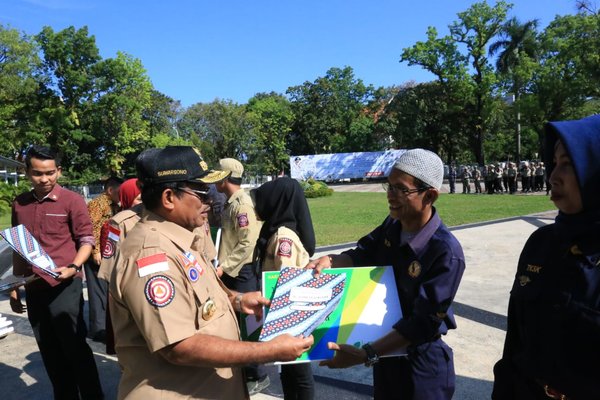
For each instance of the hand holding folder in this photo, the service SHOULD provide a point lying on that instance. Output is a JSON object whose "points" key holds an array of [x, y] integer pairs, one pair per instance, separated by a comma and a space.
{"points": [[23, 242]]}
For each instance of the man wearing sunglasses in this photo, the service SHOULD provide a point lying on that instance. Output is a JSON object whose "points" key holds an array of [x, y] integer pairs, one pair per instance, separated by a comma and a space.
{"points": [[176, 333], [428, 264]]}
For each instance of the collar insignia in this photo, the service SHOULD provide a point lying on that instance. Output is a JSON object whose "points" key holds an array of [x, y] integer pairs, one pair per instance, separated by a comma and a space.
{"points": [[524, 280], [575, 250], [414, 269]]}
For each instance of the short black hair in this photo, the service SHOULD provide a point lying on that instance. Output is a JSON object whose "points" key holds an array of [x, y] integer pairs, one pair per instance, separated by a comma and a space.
{"points": [[151, 194], [112, 182], [42, 153], [235, 181]]}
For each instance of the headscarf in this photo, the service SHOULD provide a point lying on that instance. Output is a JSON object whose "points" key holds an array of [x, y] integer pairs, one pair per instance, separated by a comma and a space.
{"points": [[128, 192], [581, 139], [281, 202]]}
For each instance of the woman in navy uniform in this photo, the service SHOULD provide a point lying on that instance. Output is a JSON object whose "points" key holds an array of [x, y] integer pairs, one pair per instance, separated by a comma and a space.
{"points": [[552, 347]]}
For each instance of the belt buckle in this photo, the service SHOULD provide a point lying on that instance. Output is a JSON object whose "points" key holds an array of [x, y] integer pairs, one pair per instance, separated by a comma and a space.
{"points": [[553, 394]]}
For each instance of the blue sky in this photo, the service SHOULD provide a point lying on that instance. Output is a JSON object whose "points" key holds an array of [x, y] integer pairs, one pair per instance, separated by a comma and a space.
{"points": [[197, 50]]}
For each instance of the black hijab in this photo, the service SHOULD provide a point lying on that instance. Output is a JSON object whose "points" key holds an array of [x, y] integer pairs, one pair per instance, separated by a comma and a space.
{"points": [[281, 202]]}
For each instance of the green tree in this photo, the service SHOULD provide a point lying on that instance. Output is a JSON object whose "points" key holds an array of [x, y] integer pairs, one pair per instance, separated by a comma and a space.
{"points": [[518, 50], [329, 114], [219, 129], [122, 96], [475, 28], [20, 82], [270, 116], [70, 57]]}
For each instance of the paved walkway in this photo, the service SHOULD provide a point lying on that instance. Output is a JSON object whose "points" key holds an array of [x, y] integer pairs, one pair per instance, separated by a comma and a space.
{"points": [[491, 250]]}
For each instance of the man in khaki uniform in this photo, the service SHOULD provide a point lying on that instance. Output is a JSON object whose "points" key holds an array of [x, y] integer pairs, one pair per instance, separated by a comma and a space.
{"points": [[240, 229], [175, 325]]}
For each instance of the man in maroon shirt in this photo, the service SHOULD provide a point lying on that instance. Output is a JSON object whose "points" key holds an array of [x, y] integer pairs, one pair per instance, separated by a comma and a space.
{"points": [[59, 220]]}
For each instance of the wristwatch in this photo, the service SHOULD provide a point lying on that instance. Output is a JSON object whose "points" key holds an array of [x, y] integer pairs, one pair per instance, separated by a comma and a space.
{"points": [[75, 267], [372, 357]]}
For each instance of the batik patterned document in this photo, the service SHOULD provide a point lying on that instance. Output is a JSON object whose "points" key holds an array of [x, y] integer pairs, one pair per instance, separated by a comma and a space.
{"points": [[27, 246], [368, 309], [301, 302]]}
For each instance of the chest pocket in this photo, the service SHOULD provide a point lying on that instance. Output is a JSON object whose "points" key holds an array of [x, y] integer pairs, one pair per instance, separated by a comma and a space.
{"points": [[210, 308], [55, 222]]}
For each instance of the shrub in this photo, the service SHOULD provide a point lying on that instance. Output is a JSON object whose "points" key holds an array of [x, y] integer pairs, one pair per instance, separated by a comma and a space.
{"points": [[8, 192], [314, 189]]}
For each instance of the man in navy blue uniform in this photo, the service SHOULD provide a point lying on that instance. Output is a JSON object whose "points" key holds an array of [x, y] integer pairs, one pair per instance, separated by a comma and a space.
{"points": [[428, 264], [552, 346]]}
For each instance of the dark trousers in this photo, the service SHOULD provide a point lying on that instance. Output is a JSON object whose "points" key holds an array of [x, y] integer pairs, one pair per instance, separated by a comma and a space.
{"points": [[426, 374], [56, 316], [297, 381], [247, 281], [97, 290]]}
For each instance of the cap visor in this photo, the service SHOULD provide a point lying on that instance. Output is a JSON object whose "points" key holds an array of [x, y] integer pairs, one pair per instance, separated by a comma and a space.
{"points": [[213, 177]]}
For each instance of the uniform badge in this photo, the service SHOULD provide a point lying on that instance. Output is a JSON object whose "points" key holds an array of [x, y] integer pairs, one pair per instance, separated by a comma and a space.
{"points": [[192, 268], [193, 274], [159, 291], [414, 269], [285, 247], [387, 243], [575, 250], [208, 309], [152, 264], [524, 280], [242, 220], [109, 249]]}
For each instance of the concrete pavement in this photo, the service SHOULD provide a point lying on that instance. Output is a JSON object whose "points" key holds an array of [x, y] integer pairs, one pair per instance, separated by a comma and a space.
{"points": [[492, 250]]}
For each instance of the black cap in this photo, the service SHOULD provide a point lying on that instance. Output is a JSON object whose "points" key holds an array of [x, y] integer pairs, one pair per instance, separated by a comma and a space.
{"points": [[175, 164]]}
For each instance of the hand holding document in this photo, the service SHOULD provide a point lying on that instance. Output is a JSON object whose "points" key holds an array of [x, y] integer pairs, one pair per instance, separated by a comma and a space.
{"points": [[23, 242]]}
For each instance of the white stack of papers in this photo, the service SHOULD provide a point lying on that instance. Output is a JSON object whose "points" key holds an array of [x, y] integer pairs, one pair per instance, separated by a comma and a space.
{"points": [[5, 326]]}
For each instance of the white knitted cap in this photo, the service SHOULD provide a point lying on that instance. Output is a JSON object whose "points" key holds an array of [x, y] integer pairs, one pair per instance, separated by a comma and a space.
{"points": [[424, 165]]}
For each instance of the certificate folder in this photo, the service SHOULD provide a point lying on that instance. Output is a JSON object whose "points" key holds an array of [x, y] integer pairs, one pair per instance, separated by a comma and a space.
{"points": [[368, 309], [23, 242], [301, 302]]}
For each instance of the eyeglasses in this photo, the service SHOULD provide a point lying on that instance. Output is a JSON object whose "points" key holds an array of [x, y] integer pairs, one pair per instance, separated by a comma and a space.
{"points": [[397, 189], [201, 194]]}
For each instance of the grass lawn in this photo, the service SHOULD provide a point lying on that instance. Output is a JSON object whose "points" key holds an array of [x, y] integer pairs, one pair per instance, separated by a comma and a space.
{"points": [[347, 216], [4, 221]]}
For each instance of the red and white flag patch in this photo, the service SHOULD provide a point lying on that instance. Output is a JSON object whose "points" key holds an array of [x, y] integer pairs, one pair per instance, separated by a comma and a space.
{"points": [[285, 247], [242, 220], [152, 264], [114, 233]]}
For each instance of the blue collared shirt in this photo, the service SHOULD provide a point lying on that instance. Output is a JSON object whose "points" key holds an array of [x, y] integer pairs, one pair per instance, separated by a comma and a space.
{"points": [[428, 270]]}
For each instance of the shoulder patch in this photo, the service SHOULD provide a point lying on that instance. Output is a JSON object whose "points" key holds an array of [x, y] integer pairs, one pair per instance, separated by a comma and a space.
{"points": [[159, 291], [109, 249], [242, 220], [284, 249], [152, 264]]}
